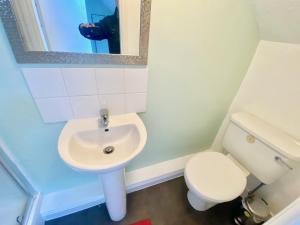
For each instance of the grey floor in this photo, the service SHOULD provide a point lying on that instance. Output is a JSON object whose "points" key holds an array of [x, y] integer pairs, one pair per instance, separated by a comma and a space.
{"points": [[164, 204]]}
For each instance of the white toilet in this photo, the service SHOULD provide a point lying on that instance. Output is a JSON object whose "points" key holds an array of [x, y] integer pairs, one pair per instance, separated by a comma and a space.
{"points": [[253, 146]]}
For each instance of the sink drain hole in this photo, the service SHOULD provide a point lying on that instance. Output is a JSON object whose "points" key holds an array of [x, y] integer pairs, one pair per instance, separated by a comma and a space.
{"points": [[109, 150]]}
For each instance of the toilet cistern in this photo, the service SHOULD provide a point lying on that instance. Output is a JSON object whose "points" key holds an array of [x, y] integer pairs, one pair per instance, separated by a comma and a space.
{"points": [[103, 121]]}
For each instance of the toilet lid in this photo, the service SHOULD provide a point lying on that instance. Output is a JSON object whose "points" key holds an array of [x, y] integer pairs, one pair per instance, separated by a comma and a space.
{"points": [[215, 177]]}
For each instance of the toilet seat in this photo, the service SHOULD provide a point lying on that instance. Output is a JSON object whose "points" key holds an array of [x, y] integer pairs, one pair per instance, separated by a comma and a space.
{"points": [[213, 176]]}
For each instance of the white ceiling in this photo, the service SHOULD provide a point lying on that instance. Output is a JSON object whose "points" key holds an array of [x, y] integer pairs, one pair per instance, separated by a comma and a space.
{"points": [[278, 20]]}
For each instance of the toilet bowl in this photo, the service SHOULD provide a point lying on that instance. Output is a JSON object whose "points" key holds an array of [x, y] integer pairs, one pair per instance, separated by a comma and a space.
{"points": [[213, 178]]}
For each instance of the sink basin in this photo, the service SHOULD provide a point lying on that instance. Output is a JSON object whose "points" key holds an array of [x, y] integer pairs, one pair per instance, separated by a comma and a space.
{"points": [[105, 151], [82, 143]]}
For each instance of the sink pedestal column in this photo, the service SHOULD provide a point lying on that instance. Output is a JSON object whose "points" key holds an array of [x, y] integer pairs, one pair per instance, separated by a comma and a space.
{"points": [[115, 193]]}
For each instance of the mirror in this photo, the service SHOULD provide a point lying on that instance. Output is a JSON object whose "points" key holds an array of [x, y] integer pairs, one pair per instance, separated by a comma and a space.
{"points": [[78, 31]]}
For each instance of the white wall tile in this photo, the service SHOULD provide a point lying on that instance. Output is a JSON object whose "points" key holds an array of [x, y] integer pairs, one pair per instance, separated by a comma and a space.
{"points": [[66, 93], [115, 103], [110, 80], [45, 82], [54, 109], [135, 102], [80, 81], [136, 80], [85, 106]]}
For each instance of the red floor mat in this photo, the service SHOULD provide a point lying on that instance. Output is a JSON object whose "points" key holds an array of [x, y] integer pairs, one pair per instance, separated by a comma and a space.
{"points": [[144, 222]]}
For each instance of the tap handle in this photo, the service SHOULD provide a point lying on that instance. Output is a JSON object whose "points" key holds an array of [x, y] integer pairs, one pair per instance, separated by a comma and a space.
{"points": [[104, 112]]}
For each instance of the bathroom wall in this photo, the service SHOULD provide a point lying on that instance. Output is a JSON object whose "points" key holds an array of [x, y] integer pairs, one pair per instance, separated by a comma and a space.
{"points": [[278, 19], [271, 91], [61, 30], [199, 53]]}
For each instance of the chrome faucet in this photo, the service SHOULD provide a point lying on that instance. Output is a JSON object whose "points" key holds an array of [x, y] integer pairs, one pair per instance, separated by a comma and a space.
{"points": [[103, 121]]}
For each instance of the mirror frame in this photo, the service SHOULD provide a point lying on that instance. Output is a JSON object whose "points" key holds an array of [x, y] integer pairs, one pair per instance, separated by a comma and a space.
{"points": [[38, 57]]}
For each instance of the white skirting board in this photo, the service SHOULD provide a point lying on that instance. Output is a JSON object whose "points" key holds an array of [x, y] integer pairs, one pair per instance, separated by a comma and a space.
{"points": [[58, 204]]}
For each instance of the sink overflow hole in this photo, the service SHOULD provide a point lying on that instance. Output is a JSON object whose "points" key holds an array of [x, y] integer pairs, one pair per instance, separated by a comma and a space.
{"points": [[106, 130], [109, 150]]}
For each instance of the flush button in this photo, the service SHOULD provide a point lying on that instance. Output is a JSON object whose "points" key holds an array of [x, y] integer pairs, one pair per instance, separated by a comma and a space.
{"points": [[250, 139]]}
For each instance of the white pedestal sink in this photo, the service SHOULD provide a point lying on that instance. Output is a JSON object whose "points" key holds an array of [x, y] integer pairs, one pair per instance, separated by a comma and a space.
{"points": [[87, 148]]}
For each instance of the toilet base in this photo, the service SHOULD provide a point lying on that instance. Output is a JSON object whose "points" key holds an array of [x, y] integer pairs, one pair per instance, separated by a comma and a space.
{"points": [[199, 204]]}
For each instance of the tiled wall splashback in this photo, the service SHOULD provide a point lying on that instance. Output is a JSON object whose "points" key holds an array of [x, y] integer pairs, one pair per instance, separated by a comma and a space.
{"points": [[66, 93]]}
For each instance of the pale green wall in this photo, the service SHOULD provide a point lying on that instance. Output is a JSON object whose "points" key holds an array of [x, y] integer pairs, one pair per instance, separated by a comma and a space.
{"points": [[199, 53]]}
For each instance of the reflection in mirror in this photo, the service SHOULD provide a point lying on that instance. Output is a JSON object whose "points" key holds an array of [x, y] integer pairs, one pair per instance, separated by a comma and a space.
{"points": [[80, 26]]}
